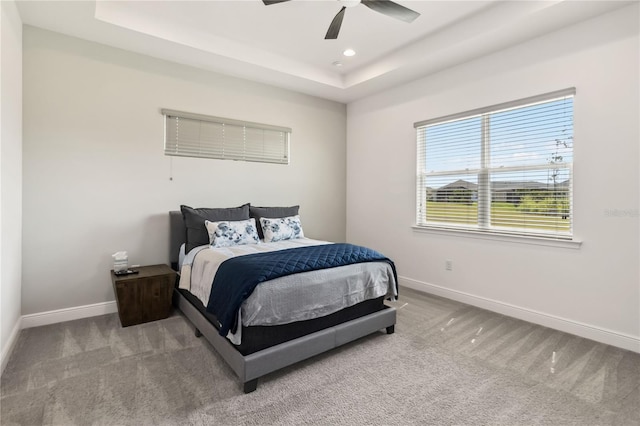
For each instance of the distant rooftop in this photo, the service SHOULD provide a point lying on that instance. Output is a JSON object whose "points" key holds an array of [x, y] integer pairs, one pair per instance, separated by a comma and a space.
{"points": [[505, 185]]}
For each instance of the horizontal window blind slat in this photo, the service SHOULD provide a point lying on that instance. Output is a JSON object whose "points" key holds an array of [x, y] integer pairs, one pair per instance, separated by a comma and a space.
{"points": [[507, 105], [194, 135], [220, 120], [507, 167]]}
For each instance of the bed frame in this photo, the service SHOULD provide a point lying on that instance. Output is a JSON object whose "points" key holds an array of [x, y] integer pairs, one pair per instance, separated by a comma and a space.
{"points": [[249, 368]]}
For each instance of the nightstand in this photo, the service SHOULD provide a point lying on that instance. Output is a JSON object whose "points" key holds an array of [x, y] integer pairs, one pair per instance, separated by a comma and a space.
{"points": [[145, 296]]}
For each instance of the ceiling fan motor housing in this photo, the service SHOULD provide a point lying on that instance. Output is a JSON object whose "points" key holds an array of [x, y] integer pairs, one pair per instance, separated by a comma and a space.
{"points": [[349, 3]]}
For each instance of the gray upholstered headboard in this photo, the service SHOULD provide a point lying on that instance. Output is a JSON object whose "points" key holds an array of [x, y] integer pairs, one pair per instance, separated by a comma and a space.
{"points": [[177, 236]]}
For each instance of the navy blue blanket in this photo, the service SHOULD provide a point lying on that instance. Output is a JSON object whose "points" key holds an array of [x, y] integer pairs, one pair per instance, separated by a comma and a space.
{"points": [[237, 277]]}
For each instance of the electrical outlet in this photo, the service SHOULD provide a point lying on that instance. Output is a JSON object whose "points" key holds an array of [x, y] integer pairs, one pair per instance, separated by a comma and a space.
{"points": [[448, 265]]}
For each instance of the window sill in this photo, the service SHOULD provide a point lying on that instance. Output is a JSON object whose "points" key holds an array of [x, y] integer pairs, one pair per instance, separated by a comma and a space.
{"points": [[520, 239]]}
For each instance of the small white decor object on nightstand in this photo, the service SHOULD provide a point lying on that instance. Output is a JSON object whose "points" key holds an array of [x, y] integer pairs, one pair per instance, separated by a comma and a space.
{"points": [[120, 261]]}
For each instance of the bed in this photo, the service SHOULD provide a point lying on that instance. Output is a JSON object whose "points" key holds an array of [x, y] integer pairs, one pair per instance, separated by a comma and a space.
{"points": [[254, 346]]}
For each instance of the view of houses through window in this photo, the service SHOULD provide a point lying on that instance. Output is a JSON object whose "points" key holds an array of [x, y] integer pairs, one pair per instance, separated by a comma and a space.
{"points": [[502, 169]]}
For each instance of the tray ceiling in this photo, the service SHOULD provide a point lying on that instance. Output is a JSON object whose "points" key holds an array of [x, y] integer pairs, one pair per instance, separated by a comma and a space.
{"points": [[283, 44]]}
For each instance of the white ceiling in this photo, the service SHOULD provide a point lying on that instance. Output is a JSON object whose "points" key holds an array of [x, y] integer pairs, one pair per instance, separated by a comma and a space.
{"points": [[283, 44]]}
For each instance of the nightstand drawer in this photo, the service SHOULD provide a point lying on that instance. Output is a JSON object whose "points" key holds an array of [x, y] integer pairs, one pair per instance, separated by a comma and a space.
{"points": [[145, 296]]}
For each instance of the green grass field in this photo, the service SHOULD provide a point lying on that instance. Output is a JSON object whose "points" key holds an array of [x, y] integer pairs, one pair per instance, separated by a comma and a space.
{"points": [[502, 215]]}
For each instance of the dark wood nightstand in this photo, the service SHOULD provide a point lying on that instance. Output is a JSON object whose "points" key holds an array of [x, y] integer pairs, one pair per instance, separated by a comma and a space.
{"points": [[145, 296]]}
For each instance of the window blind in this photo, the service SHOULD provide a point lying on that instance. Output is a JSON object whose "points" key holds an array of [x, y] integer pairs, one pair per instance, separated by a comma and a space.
{"points": [[195, 135], [501, 169]]}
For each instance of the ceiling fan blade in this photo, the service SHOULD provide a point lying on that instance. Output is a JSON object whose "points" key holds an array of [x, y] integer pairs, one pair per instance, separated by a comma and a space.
{"points": [[391, 9], [270, 2], [334, 28]]}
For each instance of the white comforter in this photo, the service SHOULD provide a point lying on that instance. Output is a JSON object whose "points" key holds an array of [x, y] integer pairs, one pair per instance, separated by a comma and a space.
{"points": [[291, 298]]}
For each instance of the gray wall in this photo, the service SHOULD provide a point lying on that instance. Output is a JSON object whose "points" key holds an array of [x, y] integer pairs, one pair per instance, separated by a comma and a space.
{"points": [[96, 180], [10, 175], [593, 290]]}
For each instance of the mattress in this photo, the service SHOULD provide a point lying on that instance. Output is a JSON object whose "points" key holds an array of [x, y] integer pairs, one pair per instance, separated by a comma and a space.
{"points": [[257, 338], [293, 298]]}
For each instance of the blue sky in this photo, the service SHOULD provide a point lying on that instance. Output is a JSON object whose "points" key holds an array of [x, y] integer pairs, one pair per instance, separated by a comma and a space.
{"points": [[538, 134]]}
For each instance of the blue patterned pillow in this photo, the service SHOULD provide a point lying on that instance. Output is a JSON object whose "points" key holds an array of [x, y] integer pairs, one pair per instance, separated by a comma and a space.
{"points": [[286, 228], [232, 233]]}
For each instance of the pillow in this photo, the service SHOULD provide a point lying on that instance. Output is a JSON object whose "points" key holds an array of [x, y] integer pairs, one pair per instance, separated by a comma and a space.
{"points": [[271, 212], [232, 233], [286, 228], [197, 234]]}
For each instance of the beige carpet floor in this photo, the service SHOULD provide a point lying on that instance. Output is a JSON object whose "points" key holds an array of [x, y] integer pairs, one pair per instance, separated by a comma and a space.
{"points": [[447, 363]]}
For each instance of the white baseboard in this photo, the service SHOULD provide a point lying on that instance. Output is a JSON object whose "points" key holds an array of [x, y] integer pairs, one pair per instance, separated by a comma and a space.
{"points": [[11, 343], [598, 334], [68, 314]]}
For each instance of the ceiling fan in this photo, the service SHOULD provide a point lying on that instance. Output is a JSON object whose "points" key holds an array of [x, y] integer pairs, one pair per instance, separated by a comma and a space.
{"points": [[386, 7]]}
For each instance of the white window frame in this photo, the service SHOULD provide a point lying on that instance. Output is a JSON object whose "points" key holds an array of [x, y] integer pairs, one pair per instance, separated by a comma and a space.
{"points": [[483, 228], [224, 138]]}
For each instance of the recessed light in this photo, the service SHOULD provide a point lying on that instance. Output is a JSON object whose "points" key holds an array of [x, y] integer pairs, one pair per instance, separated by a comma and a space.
{"points": [[337, 64], [349, 52]]}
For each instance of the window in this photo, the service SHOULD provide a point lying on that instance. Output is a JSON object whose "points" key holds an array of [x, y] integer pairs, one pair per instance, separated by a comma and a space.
{"points": [[500, 169], [194, 135]]}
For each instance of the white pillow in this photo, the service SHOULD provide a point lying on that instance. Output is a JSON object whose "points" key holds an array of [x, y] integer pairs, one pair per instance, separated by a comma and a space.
{"points": [[232, 233], [279, 229]]}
